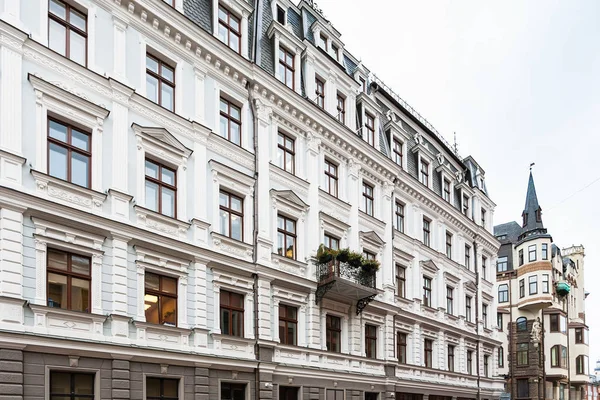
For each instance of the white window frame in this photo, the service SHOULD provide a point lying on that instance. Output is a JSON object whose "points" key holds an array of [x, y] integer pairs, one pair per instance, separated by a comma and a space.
{"points": [[329, 310], [242, 10]]}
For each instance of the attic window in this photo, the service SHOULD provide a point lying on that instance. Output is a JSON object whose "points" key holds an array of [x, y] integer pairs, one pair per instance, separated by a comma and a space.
{"points": [[335, 51], [280, 15], [323, 42], [538, 214], [524, 219]]}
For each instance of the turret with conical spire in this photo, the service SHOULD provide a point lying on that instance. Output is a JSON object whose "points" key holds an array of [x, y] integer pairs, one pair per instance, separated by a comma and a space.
{"points": [[532, 214]]}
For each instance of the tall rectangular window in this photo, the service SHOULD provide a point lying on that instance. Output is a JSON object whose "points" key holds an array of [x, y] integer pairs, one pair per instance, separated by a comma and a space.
{"points": [[465, 205], [399, 217], [397, 152], [484, 315], [286, 152], [554, 325], [470, 362], [160, 82], [161, 189], [286, 67], [233, 391], [500, 320], [331, 242], [69, 281], [500, 357], [331, 178], [69, 153], [579, 335], [450, 358], [370, 129], [401, 347], [428, 353], [288, 324], [449, 245], [66, 385], [323, 42], [230, 121], [231, 215], [486, 368], [522, 353], [484, 267], [162, 388], [367, 199], [320, 92], [532, 252], [286, 237], [446, 191], [424, 176], [555, 356], [341, 108], [426, 291], [371, 341], [483, 216], [521, 260], [468, 314], [280, 15], [544, 251], [333, 394], [232, 313], [160, 299], [450, 300], [333, 333], [522, 388], [400, 281], [363, 84], [522, 288], [533, 289], [67, 31], [467, 256], [503, 293], [581, 365], [502, 264], [426, 232], [229, 29]]}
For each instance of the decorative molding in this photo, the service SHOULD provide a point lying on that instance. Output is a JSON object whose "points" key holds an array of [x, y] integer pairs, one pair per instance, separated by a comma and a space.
{"points": [[232, 247], [68, 193], [160, 223]]}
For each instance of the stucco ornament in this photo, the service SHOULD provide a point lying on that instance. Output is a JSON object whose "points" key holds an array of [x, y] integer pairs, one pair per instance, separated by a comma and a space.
{"points": [[536, 331]]}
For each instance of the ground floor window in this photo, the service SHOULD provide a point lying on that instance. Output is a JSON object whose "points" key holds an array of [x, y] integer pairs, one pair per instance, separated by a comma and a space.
{"points": [[288, 393], [371, 396], [233, 391], [71, 386], [522, 388], [162, 389], [333, 394]]}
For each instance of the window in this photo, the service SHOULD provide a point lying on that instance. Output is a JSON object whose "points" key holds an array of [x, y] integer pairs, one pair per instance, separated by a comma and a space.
{"points": [[533, 289], [579, 335], [450, 358], [563, 356], [555, 356], [470, 362], [363, 84], [484, 315], [331, 178], [522, 288], [370, 129], [465, 205], [426, 291], [323, 42], [320, 92], [399, 216], [522, 388], [500, 320], [424, 173], [558, 323], [229, 29], [502, 264], [544, 251], [67, 31], [161, 189], [162, 389], [483, 267], [523, 354], [331, 242], [286, 68], [286, 237], [426, 232], [69, 280], [554, 323], [521, 324], [288, 393], [368, 255], [397, 152], [69, 153], [71, 385], [401, 281], [502, 293], [581, 365], [160, 82], [333, 394], [428, 353], [333, 332], [449, 245], [232, 313], [561, 391], [231, 215], [486, 369], [468, 314], [532, 252], [450, 300], [286, 153], [371, 341], [446, 193], [231, 122], [467, 256], [280, 15], [483, 217], [341, 108], [367, 199], [500, 357], [371, 396], [335, 50], [521, 261], [288, 324], [233, 391], [401, 347], [160, 299]]}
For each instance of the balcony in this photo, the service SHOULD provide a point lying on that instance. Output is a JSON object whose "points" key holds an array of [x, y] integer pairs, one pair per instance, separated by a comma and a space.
{"points": [[563, 288]]}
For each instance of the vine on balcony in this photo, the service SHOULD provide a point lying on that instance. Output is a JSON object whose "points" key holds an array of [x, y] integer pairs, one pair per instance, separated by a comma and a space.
{"points": [[351, 258]]}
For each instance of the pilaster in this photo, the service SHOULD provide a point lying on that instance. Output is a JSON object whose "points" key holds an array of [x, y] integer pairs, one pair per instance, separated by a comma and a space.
{"points": [[353, 195], [119, 275]]}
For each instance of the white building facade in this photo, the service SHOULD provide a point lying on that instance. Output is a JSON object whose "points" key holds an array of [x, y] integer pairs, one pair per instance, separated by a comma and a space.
{"points": [[163, 195]]}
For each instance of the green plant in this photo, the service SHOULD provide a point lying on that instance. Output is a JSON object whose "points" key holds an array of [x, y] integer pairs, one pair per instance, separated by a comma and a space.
{"points": [[355, 259], [343, 255], [370, 265]]}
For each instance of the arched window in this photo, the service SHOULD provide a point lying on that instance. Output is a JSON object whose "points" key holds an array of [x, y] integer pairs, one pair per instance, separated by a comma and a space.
{"points": [[555, 356], [521, 324], [502, 293]]}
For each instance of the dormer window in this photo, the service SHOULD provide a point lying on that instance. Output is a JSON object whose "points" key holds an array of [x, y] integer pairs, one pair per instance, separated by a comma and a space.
{"points": [[286, 67], [397, 152], [229, 29], [320, 92], [424, 176], [280, 15], [370, 125], [446, 190], [336, 51], [465, 205], [363, 84], [341, 108], [323, 42]]}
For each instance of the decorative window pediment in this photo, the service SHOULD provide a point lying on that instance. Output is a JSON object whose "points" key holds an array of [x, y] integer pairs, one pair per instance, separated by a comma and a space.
{"points": [[394, 125], [162, 142], [429, 266], [422, 147], [333, 225], [372, 239], [470, 287], [450, 278], [290, 199], [286, 38]]}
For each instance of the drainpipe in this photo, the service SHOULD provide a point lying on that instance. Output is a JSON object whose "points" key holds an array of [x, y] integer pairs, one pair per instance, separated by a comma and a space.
{"points": [[568, 350], [511, 363], [543, 351], [477, 316]]}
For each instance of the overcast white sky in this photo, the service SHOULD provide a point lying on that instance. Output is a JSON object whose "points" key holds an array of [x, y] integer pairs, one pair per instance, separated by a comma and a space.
{"points": [[519, 82]]}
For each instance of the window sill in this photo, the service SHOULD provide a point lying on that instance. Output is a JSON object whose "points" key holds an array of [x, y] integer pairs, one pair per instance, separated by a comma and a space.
{"points": [[161, 335], [230, 150], [289, 180], [232, 346], [68, 193], [161, 224], [231, 247], [371, 222], [67, 322], [288, 265]]}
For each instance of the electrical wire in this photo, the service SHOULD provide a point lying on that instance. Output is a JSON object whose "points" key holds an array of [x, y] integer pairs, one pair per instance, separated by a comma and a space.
{"points": [[574, 193]]}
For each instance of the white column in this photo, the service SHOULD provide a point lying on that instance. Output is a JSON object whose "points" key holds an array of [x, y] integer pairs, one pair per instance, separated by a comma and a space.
{"points": [[309, 80], [40, 272], [302, 328], [119, 146], [265, 236], [265, 331], [344, 334], [417, 345], [276, 56], [351, 111], [313, 322], [182, 303], [313, 161], [353, 194], [11, 253], [182, 191], [216, 328], [389, 339], [439, 298], [97, 139], [441, 351], [119, 48], [331, 95], [323, 324], [97, 284], [11, 60], [199, 292], [244, 28], [41, 130], [140, 290], [275, 322], [140, 196], [118, 282], [249, 316], [200, 96]]}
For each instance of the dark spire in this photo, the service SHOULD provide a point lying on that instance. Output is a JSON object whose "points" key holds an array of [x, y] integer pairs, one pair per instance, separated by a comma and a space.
{"points": [[532, 214]]}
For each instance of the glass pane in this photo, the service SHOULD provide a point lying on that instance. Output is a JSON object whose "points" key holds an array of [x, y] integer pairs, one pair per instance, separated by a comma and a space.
{"points": [[224, 321], [282, 335], [58, 161], [170, 387], [234, 42], [169, 285], [291, 333], [58, 9], [234, 23], [289, 164], [77, 48], [289, 79], [80, 140], [151, 308], [167, 73], [222, 14], [236, 227], [236, 204], [224, 106], [235, 112], [235, 133], [290, 226], [222, 34], [80, 265], [151, 64], [224, 222], [169, 310], [168, 176], [151, 169], [57, 37], [60, 382], [236, 323], [280, 239], [280, 222], [167, 97], [152, 281], [281, 54], [80, 169], [80, 292], [168, 202], [289, 59], [152, 387], [57, 131], [152, 88], [77, 19], [57, 290], [289, 247], [282, 73], [151, 196], [57, 260], [223, 127]]}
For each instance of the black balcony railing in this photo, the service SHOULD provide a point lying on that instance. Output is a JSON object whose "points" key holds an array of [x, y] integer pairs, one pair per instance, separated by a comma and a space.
{"points": [[336, 269]]}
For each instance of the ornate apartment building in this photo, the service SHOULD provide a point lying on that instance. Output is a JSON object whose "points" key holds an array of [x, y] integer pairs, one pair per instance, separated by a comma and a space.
{"points": [[541, 311], [168, 171]]}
